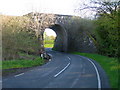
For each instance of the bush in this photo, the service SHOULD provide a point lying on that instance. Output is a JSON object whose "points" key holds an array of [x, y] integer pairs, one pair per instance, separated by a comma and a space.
{"points": [[17, 36], [107, 36]]}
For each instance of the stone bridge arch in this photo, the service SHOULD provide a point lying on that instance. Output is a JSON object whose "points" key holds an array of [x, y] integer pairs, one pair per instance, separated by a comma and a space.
{"points": [[70, 34], [61, 38]]}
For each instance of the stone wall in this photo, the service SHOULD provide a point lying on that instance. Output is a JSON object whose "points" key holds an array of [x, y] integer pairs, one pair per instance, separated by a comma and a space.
{"points": [[71, 32]]}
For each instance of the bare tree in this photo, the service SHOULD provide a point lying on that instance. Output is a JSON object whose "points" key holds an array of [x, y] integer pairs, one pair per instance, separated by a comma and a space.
{"points": [[101, 7]]}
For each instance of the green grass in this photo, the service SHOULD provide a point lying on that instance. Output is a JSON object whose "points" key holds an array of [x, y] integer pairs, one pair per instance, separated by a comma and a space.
{"points": [[49, 41], [9, 64], [48, 45], [110, 65]]}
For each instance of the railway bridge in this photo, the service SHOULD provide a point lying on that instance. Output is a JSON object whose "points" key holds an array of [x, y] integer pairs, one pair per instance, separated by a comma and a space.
{"points": [[70, 33]]}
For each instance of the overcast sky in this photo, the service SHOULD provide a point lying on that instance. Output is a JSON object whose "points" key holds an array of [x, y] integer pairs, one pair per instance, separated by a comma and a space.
{"points": [[21, 7]]}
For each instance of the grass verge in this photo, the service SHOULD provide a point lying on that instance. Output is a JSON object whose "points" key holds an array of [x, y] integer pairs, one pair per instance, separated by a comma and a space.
{"points": [[110, 65], [21, 63], [25, 61], [48, 45]]}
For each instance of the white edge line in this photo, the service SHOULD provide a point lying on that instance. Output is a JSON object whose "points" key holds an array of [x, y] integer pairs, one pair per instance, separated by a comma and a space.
{"points": [[98, 76], [62, 70], [19, 75]]}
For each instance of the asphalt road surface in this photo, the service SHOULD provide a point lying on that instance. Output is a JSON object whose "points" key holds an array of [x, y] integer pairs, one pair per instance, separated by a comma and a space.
{"points": [[62, 71]]}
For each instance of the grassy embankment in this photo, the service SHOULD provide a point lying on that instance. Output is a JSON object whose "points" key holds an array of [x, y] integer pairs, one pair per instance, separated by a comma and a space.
{"points": [[110, 65], [30, 61]]}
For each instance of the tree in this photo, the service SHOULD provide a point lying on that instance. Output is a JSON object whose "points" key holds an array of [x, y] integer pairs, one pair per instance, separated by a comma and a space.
{"points": [[101, 7], [52, 37], [107, 24], [17, 37]]}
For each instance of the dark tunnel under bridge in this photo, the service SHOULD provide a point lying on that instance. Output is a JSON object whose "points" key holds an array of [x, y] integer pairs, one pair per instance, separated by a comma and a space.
{"points": [[60, 43]]}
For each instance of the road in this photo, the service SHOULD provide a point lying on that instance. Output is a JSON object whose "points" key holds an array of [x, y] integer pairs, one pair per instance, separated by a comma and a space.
{"points": [[63, 71]]}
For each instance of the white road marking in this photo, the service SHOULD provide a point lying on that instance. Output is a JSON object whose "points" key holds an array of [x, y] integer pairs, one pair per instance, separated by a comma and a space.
{"points": [[18, 75], [98, 76], [62, 70], [69, 58], [74, 83]]}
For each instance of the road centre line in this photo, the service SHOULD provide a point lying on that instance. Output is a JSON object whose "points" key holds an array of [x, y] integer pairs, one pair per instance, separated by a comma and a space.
{"points": [[62, 70], [69, 58], [18, 75]]}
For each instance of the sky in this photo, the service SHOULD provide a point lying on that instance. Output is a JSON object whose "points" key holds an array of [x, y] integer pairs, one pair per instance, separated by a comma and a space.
{"points": [[50, 32], [21, 7], [65, 7]]}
